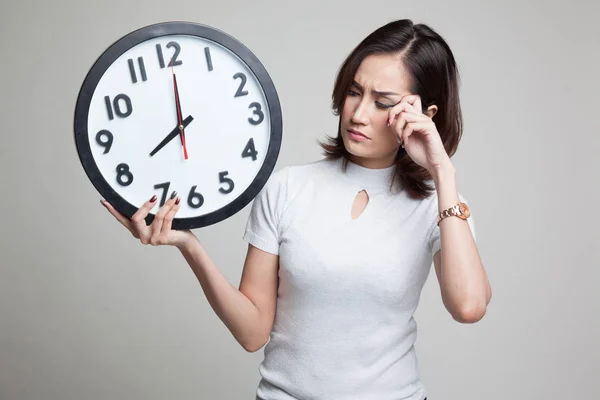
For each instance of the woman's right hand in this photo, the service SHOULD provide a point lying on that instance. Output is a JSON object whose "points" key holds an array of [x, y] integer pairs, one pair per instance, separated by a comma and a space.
{"points": [[159, 233]]}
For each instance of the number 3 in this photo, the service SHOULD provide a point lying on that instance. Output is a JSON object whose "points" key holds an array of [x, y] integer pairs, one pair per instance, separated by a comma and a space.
{"points": [[258, 112]]}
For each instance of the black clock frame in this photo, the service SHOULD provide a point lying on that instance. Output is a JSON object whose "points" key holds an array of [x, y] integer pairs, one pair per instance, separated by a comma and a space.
{"points": [[136, 37]]}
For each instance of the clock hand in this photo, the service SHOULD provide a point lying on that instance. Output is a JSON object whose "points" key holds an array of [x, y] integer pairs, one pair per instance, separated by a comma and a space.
{"points": [[176, 131], [178, 109]]}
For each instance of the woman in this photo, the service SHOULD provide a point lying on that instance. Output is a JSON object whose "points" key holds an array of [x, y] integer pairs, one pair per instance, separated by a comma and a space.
{"points": [[339, 249]]}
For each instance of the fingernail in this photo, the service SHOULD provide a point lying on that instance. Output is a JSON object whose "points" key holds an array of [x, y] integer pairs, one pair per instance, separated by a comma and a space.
{"points": [[153, 199], [173, 195], [177, 201]]}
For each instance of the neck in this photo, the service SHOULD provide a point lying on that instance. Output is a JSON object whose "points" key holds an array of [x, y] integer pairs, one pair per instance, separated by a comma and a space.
{"points": [[373, 163], [374, 177]]}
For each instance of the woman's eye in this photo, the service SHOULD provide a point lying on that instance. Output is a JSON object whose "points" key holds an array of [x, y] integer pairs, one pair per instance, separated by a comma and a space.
{"points": [[383, 106], [353, 93]]}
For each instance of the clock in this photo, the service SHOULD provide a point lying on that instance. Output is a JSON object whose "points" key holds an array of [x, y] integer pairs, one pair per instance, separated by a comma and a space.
{"points": [[178, 107]]}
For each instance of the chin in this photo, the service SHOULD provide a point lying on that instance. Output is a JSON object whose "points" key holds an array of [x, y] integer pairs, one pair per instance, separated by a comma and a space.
{"points": [[364, 151], [358, 149]]}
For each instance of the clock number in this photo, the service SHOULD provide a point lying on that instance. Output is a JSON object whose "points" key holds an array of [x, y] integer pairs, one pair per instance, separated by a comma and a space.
{"points": [[115, 107], [161, 59], [250, 150], [107, 144], [165, 188], [241, 92], [142, 69], [223, 179], [123, 171], [174, 61], [109, 110], [258, 112], [195, 199], [209, 64]]}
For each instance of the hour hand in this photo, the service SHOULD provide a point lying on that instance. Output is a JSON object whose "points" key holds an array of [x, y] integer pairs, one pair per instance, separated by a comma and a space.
{"points": [[174, 133]]}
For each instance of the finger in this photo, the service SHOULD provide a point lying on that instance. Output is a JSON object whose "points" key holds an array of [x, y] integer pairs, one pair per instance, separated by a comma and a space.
{"points": [[399, 124], [412, 127], [139, 220], [158, 221], [415, 101], [126, 222], [168, 221], [404, 118], [405, 108], [394, 111]]}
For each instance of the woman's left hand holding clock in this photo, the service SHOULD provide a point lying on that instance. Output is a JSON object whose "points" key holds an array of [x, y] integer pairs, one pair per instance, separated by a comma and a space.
{"points": [[159, 233]]}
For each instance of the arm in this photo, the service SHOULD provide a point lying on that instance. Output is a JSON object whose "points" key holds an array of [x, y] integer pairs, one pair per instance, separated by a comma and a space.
{"points": [[464, 284], [248, 312]]}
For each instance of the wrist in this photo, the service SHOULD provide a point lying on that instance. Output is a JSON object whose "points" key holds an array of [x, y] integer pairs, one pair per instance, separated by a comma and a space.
{"points": [[187, 245], [445, 184], [443, 173]]}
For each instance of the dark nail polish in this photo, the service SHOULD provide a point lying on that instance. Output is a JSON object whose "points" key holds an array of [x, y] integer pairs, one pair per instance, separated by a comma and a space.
{"points": [[153, 199], [177, 201], [173, 195]]}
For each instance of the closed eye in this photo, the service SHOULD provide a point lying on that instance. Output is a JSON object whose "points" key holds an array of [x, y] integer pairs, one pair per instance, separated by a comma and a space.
{"points": [[379, 105], [384, 106]]}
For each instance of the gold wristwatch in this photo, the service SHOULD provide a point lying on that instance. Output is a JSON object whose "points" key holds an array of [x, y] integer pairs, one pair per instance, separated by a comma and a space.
{"points": [[461, 210]]}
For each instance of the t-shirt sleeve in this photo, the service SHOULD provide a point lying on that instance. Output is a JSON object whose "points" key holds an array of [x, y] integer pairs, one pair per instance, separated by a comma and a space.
{"points": [[434, 237], [263, 226]]}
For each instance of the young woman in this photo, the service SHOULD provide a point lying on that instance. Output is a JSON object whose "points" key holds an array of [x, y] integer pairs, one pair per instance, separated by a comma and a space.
{"points": [[339, 249]]}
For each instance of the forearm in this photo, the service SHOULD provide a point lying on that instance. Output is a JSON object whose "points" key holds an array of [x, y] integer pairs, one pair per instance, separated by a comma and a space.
{"points": [[237, 312], [463, 280]]}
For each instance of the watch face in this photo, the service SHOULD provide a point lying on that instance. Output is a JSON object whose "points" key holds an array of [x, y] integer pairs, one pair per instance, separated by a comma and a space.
{"points": [[465, 211], [179, 107]]}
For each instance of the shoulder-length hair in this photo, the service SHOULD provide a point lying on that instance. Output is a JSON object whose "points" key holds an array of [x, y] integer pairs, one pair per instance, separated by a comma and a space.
{"points": [[434, 77]]}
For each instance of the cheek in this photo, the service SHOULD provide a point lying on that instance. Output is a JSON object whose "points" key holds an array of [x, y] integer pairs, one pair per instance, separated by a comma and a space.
{"points": [[386, 134], [347, 109], [381, 118], [379, 122], [351, 104]]}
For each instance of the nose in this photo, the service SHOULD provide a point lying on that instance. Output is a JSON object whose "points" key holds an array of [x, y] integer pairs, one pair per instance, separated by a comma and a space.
{"points": [[360, 115]]}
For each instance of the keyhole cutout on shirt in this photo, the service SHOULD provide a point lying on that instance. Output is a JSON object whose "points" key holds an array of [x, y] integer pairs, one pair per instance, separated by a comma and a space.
{"points": [[360, 203]]}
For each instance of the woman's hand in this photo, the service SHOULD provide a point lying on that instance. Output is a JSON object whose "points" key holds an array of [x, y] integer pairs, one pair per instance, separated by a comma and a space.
{"points": [[418, 134], [159, 233]]}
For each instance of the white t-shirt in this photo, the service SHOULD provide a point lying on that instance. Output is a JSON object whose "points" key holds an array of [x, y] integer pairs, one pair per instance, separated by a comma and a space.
{"points": [[348, 288]]}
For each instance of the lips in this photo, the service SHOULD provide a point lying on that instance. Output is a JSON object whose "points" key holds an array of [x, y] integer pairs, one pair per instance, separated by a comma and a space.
{"points": [[357, 133]]}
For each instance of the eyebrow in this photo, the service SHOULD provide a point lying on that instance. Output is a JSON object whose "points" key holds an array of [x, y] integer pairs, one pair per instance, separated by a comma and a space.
{"points": [[357, 85]]}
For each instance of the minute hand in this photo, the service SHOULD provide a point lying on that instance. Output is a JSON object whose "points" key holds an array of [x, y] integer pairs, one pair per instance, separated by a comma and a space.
{"points": [[174, 133]]}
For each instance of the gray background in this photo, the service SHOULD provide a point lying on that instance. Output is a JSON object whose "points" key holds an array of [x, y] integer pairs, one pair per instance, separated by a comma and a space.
{"points": [[86, 312]]}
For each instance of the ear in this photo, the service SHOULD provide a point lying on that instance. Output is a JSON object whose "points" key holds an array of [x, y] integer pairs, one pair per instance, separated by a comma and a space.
{"points": [[431, 111]]}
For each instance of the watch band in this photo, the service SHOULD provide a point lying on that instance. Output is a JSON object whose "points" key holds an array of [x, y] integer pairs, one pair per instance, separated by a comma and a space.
{"points": [[461, 210]]}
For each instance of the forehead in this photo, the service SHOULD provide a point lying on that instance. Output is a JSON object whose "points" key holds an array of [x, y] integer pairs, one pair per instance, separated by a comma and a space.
{"points": [[383, 72]]}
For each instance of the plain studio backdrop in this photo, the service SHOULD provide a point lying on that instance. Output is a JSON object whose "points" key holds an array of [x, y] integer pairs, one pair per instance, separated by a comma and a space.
{"points": [[87, 312]]}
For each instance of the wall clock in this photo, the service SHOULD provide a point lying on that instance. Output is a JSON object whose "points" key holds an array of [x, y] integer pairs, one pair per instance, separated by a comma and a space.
{"points": [[178, 106]]}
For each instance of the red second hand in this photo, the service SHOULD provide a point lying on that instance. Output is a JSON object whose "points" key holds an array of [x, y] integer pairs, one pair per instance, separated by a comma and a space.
{"points": [[185, 154]]}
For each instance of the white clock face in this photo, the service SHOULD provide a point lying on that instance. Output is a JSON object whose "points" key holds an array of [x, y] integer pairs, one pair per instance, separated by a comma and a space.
{"points": [[225, 114]]}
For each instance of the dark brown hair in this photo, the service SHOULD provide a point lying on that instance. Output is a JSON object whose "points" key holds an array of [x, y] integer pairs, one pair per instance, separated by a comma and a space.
{"points": [[434, 77]]}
